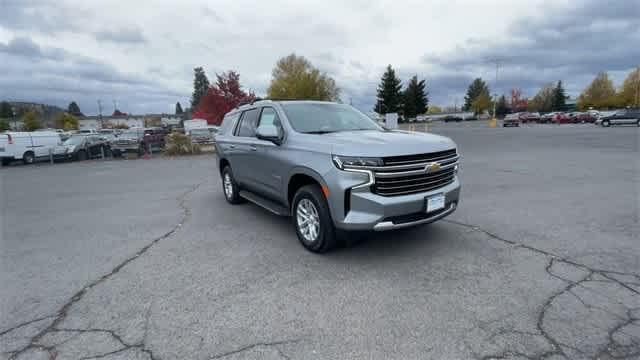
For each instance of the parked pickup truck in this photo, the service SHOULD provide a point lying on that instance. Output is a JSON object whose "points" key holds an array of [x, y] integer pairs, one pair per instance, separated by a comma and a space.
{"points": [[139, 140], [333, 169]]}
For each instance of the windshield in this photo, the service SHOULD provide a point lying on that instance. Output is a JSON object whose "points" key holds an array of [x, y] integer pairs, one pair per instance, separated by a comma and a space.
{"points": [[200, 132], [326, 117], [74, 140], [130, 134]]}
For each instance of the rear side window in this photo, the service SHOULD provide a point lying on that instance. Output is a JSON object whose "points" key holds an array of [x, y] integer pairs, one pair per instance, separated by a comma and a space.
{"points": [[248, 124]]}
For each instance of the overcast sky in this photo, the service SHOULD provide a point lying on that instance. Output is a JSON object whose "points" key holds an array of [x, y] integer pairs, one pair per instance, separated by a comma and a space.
{"points": [[142, 53]]}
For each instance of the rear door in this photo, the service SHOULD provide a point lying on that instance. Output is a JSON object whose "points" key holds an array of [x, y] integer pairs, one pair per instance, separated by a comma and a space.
{"points": [[94, 145], [244, 148]]}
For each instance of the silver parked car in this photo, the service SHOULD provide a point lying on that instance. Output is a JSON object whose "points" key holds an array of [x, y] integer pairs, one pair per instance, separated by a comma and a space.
{"points": [[334, 169]]}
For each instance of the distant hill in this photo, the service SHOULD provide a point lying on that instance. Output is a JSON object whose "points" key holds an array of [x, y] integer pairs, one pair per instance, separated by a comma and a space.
{"points": [[46, 113]]}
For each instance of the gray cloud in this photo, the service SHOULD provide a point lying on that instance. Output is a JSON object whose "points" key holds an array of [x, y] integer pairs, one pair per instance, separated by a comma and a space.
{"points": [[56, 76], [573, 45], [121, 35], [39, 15], [97, 52]]}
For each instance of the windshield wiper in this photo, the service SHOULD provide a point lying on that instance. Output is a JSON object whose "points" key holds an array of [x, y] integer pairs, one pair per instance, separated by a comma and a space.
{"points": [[320, 132]]}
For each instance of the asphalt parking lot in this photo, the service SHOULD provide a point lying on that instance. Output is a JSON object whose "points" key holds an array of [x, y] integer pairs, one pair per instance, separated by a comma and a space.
{"points": [[144, 259]]}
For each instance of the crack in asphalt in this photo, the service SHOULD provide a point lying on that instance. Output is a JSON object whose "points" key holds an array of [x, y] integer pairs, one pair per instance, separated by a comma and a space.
{"points": [[64, 310], [18, 326], [612, 350], [258, 344]]}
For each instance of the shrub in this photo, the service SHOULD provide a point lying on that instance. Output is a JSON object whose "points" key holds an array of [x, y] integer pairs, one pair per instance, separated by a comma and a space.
{"points": [[180, 144]]}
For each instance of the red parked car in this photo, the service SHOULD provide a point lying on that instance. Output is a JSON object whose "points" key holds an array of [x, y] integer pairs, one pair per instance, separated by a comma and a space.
{"points": [[561, 118], [585, 118]]}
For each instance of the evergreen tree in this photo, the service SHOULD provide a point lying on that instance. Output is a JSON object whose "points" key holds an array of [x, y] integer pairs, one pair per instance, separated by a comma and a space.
{"points": [[476, 88], [389, 93], [200, 86], [5, 110], [179, 109], [501, 106], [415, 98], [74, 109], [559, 97]]}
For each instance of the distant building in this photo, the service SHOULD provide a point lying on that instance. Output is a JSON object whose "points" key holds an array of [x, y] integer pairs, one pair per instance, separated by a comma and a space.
{"points": [[571, 104]]}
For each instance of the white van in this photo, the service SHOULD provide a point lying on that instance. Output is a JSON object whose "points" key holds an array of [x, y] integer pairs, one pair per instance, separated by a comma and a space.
{"points": [[27, 146]]}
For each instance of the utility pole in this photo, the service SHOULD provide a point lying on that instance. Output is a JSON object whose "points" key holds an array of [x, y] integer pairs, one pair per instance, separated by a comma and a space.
{"points": [[498, 63], [100, 112], [638, 87]]}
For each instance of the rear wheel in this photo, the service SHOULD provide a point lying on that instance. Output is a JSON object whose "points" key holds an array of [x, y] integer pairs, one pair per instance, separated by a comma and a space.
{"points": [[638, 122], [312, 220], [28, 157]]}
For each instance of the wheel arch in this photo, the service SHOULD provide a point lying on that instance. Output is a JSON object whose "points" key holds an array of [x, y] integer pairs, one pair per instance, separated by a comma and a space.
{"points": [[300, 177], [222, 163]]}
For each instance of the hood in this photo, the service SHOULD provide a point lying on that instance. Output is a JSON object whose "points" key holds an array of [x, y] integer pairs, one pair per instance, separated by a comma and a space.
{"points": [[379, 143]]}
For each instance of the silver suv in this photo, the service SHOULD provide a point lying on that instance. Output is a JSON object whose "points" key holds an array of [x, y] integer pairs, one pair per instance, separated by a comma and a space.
{"points": [[334, 169]]}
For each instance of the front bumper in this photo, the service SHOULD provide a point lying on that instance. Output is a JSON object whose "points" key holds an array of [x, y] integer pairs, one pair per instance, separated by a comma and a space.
{"points": [[360, 209]]}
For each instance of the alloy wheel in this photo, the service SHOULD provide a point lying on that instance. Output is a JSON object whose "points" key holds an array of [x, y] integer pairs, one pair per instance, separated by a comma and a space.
{"points": [[228, 186], [308, 220]]}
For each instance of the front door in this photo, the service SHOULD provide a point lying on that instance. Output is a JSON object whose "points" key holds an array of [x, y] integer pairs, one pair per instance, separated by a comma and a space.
{"points": [[268, 168]]}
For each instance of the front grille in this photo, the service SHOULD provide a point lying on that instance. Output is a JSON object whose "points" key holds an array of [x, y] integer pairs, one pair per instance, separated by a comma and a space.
{"points": [[403, 175]]}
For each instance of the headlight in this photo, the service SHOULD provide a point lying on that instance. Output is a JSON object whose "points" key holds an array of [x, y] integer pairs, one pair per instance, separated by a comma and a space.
{"points": [[343, 162], [70, 148]]}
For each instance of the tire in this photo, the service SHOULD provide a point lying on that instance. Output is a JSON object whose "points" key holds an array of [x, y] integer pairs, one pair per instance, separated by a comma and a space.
{"points": [[309, 204], [230, 188], [81, 155], [638, 123], [107, 152], [606, 123], [6, 161], [28, 158]]}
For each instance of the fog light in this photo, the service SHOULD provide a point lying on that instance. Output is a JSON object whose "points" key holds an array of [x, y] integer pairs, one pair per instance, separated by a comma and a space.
{"points": [[455, 169]]}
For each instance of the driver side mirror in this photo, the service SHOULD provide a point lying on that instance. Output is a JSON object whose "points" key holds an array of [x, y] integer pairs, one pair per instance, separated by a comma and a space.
{"points": [[269, 133]]}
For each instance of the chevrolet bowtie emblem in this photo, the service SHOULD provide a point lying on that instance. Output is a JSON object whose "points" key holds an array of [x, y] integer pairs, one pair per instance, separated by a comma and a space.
{"points": [[432, 167]]}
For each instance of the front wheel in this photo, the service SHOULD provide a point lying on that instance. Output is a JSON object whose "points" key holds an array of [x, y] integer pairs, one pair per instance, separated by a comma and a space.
{"points": [[312, 220], [82, 155], [606, 123], [229, 187], [638, 122]]}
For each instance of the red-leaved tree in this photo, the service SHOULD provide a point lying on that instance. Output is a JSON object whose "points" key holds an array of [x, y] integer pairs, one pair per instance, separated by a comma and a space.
{"points": [[518, 103], [221, 97]]}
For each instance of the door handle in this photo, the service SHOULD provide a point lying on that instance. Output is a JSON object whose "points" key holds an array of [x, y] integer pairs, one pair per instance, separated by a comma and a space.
{"points": [[253, 148], [232, 146]]}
